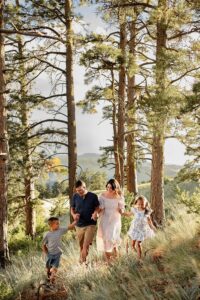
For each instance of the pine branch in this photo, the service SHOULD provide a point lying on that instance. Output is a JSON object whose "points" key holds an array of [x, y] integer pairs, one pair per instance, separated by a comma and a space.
{"points": [[51, 65], [47, 142], [183, 75], [182, 33], [48, 131], [35, 77], [145, 25], [153, 60], [30, 33], [54, 154], [45, 121], [43, 27], [133, 4], [54, 11], [54, 52]]}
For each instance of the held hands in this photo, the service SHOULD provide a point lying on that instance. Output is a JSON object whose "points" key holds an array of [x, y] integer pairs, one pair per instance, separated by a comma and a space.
{"points": [[127, 213], [94, 216], [76, 217], [72, 225]]}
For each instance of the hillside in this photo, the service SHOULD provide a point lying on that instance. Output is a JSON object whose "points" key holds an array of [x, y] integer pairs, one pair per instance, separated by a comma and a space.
{"points": [[90, 161]]}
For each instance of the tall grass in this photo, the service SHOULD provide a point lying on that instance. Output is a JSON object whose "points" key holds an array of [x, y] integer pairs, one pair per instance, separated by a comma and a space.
{"points": [[170, 270]]}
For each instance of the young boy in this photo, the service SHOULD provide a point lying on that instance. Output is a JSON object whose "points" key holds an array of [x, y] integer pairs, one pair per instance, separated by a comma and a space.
{"points": [[51, 246]]}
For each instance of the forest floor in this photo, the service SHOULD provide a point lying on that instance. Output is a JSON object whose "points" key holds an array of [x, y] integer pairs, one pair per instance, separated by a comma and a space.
{"points": [[170, 270]]}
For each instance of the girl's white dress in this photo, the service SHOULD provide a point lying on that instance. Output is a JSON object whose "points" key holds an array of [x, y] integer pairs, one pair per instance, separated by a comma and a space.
{"points": [[109, 224], [140, 229]]}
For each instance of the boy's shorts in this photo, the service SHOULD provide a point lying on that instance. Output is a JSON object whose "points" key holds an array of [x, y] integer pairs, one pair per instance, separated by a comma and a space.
{"points": [[53, 260]]}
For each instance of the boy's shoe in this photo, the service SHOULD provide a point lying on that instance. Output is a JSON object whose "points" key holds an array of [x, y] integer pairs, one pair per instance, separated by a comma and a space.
{"points": [[47, 280], [52, 287], [52, 281], [48, 275]]}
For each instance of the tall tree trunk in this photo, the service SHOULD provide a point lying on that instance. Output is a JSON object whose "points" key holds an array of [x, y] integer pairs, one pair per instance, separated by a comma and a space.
{"points": [[27, 159], [157, 174], [72, 147], [121, 102], [131, 173], [30, 218], [115, 127], [157, 171], [4, 254]]}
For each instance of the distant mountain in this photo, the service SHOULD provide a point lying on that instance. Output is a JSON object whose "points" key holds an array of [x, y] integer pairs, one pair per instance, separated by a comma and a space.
{"points": [[90, 161], [144, 171], [89, 155]]}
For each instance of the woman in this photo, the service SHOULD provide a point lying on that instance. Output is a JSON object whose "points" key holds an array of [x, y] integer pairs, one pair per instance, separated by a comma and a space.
{"points": [[109, 227]]}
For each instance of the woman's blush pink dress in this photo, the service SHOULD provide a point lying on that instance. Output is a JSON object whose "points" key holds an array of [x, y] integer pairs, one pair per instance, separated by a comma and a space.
{"points": [[109, 224]]}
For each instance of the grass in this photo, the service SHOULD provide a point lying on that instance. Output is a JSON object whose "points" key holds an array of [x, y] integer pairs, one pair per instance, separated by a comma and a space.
{"points": [[171, 269]]}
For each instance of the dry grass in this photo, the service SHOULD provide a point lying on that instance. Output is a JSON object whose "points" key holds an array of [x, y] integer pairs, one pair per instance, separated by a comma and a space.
{"points": [[170, 270]]}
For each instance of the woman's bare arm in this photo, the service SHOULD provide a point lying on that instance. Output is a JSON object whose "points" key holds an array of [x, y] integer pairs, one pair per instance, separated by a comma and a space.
{"points": [[127, 213]]}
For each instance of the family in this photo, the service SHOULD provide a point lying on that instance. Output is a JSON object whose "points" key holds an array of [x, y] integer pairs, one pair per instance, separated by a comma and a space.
{"points": [[86, 208]]}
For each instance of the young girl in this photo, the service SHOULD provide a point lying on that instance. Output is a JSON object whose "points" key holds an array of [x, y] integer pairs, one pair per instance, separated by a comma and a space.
{"points": [[141, 227]]}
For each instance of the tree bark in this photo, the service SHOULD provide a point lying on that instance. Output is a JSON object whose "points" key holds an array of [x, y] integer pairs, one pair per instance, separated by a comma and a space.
{"points": [[121, 102], [157, 171], [30, 218], [115, 128], [72, 146], [27, 159], [4, 253], [131, 172], [157, 178]]}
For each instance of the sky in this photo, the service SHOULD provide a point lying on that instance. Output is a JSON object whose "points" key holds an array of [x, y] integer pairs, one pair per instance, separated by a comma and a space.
{"points": [[92, 133]]}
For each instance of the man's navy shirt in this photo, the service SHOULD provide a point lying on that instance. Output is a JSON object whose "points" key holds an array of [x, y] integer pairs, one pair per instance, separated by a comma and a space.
{"points": [[85, 207]]}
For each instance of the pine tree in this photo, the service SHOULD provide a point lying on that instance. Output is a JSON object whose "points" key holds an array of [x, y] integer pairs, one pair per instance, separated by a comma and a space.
{"points": [[104, 60], [24, 136], [157, 169], [62, 14], [190, 126], [131, 114], [4, 255], [46, 15], [72, 146]]}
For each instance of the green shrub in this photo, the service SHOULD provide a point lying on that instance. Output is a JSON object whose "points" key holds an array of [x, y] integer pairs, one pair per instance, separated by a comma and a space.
{"points": [[5, 291], [94, 180], [191, 201], [126, 221], [20, 245]]}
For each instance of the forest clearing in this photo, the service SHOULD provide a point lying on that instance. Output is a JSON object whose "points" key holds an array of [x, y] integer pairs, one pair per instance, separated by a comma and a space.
{"points": [[100, 99]]}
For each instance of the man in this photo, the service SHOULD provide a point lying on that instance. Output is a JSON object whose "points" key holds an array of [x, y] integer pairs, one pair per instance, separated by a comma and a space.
{"points": [[84, 208]]}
